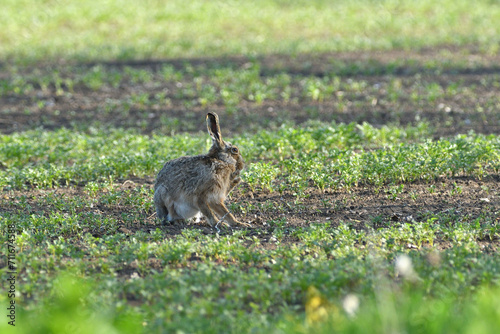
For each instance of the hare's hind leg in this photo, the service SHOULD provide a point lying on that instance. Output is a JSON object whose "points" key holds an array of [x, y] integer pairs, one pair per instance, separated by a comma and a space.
{"points": [[162, 213], [173, 217], [167, 215], [207, 212], [161, 209]]}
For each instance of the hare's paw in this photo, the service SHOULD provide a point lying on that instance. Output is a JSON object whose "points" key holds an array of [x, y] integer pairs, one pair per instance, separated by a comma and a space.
{"points": [[175, 222], [245, 225]]}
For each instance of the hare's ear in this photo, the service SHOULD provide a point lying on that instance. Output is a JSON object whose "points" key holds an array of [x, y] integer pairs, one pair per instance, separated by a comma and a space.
{"points": [[214, 129]]}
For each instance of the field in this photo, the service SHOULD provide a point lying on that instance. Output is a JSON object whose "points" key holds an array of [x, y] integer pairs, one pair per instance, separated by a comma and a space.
{"points": [[372, 166]]}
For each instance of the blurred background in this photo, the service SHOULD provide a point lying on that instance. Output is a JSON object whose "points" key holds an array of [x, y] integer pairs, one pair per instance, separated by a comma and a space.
{"points": [[125, 30]]}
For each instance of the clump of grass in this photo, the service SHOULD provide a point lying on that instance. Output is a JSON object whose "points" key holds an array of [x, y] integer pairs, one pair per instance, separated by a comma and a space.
{"points": [[331, 156]]}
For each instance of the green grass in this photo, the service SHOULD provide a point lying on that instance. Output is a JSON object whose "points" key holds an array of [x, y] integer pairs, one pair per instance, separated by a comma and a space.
{"points": [[199, 283], [34, 30], [332, 156]]}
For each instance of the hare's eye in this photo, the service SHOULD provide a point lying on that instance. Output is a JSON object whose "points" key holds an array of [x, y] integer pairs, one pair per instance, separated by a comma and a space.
{"points": [[234, 150]]}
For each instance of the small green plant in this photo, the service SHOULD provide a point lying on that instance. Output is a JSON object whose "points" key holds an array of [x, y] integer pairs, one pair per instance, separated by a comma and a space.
{"points": [[413, 195], [456, 190], [260, 174], [94, 78], [394, 191], [92, 188]]}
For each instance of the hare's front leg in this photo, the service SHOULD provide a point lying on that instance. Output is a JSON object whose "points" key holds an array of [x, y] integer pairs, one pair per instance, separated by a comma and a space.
{"points": [[224, 214], [234, 182]]}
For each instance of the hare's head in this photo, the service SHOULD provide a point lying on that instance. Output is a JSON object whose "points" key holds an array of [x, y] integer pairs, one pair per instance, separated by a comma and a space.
{"points": [[221, 149]]}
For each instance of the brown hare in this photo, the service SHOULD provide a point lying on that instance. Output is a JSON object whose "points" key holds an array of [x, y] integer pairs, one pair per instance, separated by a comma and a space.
{"points": [[187, 187]]}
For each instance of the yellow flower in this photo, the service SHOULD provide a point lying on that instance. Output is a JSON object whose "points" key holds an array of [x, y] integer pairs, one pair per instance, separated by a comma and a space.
{"points": [[318, 309]]}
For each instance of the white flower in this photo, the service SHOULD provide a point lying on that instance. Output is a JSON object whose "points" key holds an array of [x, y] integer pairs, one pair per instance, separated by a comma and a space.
{"points": [[350, 304], [404, 267]]}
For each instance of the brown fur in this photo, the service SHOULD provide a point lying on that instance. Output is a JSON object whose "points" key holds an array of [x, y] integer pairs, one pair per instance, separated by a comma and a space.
{"points": [[187, 186]]}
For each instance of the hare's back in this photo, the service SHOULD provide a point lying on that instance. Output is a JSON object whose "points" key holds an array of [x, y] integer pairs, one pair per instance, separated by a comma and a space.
{"points": [[186, 171]]}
